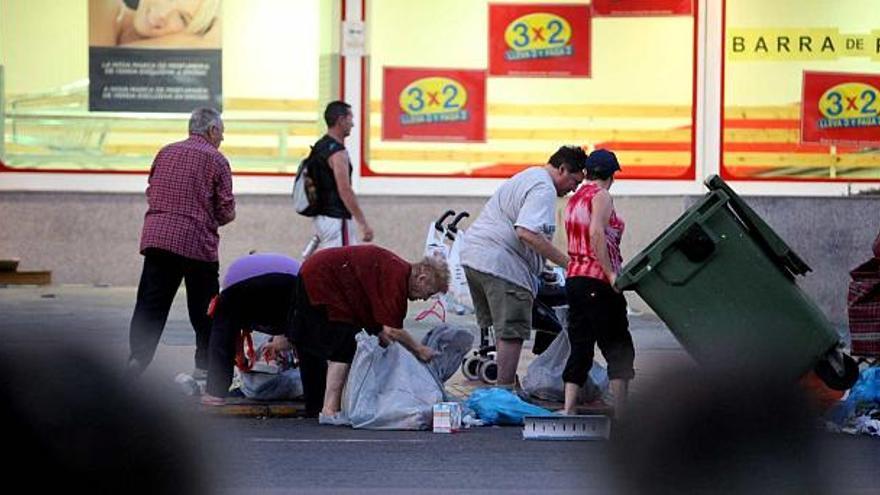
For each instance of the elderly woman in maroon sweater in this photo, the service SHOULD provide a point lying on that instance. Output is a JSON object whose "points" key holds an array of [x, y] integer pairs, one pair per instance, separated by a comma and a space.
{"points": [[345, 290]]}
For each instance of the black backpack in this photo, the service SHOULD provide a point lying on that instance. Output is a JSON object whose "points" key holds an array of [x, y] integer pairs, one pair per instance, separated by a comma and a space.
{"points": [[305, 187]]}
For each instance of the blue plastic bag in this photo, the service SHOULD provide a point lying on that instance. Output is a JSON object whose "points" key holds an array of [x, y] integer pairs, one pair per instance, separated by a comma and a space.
{"points": [[865, 391], [498, 406]]}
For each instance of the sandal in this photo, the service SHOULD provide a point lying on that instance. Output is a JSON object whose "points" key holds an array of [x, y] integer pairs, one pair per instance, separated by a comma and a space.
{"points": [[212, 401]]}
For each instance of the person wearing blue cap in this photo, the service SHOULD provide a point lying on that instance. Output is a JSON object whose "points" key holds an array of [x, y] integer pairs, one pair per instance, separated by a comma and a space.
{"points": [[504, 250], [597, 311]]}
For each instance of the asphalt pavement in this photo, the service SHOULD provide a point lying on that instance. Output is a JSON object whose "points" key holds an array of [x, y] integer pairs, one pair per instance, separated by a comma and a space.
{"points": [[289, 455]]}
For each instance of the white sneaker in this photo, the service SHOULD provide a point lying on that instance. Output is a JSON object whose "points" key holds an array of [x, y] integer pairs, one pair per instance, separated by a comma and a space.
{"points": [[338, 419]]}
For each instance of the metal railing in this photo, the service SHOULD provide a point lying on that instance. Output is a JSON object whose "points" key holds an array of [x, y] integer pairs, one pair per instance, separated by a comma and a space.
{"points": [[55, 130]]}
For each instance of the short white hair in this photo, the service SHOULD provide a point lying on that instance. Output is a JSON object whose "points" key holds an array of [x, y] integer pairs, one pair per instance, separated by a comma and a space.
{"points": [[202, 119], [437, 270]]}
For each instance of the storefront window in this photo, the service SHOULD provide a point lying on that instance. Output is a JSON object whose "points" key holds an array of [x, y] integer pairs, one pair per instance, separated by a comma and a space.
{"points": [[592, 76], [267, 82], [800, 95]]}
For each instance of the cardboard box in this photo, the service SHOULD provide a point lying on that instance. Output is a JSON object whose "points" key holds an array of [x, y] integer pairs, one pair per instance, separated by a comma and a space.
{"points": [[447, 417]]}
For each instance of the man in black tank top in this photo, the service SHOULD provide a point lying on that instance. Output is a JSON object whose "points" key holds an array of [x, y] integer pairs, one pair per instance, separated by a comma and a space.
{"points": [[337, 203]]}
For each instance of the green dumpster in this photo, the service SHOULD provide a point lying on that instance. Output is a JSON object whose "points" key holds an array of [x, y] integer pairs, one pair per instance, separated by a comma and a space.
{"points": [[723, 282]]}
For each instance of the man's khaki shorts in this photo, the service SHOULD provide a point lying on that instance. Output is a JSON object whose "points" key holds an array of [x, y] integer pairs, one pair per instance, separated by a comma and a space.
{"points": [[503, 305]]}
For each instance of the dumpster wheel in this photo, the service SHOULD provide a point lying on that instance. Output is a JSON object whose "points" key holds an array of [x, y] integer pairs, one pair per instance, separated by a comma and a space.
{"points": [[838, 370]]}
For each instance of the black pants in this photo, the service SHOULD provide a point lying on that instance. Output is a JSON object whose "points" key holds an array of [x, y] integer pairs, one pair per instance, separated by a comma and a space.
{"points": [[264, 302], [160, 279], [318, 340], [597, 315]]}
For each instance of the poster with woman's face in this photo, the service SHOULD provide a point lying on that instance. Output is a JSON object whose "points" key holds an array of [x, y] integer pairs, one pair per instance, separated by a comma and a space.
{"points": [[154, 55]]}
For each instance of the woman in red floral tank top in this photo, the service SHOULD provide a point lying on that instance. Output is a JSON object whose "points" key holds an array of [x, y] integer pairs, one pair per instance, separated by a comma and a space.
{"points": [[597, 312]]}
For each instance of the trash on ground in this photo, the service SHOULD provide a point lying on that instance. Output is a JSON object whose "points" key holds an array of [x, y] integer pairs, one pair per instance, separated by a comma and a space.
{"points": [[543, 378], [270, 379], [498, 406], [447, 417], [451, 343], [859, 412], [188, 385], [389, 389], [580, 427]]}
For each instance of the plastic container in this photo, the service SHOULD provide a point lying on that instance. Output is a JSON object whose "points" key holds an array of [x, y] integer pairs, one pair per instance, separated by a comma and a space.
{"points": [[447, 417], [723, 282]]}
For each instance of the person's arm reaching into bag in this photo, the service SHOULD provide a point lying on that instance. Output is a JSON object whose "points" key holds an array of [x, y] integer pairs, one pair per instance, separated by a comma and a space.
{"points": [[542, 246], [339, 162], [277, 345], [390, 334]]}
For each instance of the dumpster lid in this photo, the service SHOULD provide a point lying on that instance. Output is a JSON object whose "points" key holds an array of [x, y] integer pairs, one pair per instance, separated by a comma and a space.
{"points": [[775, 247]]}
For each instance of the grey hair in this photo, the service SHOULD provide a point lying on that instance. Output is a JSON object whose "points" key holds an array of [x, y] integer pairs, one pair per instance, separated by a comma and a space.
{"points": [[203, 119], [437, 270]]}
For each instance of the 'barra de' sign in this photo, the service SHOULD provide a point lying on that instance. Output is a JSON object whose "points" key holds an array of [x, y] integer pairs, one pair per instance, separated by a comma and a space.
{"points": [[799, 44]]}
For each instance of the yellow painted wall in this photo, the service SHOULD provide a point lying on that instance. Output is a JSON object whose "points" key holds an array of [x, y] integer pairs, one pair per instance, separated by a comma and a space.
{"points": [[45, 43], [270, 47]]}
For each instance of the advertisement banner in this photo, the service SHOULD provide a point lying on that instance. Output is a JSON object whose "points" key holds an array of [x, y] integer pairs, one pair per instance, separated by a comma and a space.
{"points": [[840, 108], [154, 56], [642, 7], [433, 104], [808, 44], [539, 40]]}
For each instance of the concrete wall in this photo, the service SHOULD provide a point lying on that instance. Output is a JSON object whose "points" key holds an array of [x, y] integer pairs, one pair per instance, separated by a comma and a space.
{"points": [[93, 238]]}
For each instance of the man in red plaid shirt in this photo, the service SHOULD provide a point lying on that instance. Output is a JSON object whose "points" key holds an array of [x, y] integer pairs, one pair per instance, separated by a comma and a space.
{"points": [[189, 196]]}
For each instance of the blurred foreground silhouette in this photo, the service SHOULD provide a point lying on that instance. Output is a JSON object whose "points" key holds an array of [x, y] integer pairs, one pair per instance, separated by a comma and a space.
{"points": [[722, 431], [71, 421]]}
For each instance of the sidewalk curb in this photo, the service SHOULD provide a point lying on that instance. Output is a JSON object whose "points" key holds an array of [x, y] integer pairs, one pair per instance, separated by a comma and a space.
{"points": [[247, 408]]}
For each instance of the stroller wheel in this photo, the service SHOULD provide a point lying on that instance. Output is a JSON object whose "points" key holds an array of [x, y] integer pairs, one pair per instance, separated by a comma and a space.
{"points": [[488, 371], [841, 374], [470, 367]]}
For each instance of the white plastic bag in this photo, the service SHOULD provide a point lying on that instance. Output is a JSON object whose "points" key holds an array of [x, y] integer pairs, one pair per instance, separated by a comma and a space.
{"points": [[389, 389], [458, 298], [275, 380], [451, 343], [285, 385], [543, 379], [435, 245], [459, 294]]}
